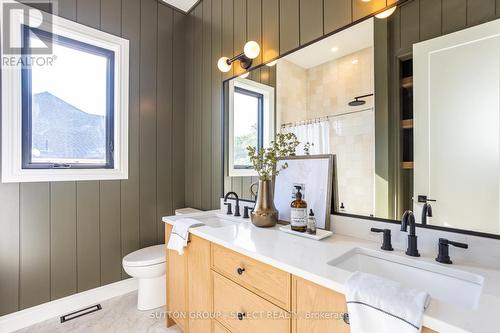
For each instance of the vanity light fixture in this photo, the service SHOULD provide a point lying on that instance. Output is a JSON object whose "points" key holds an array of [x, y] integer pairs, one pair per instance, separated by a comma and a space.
{"points": [[386, 13], [272, 63], [251, 50]]}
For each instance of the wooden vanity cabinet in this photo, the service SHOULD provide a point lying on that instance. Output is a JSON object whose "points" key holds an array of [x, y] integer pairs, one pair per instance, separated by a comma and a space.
{"points": [[176, 285], [209, 279], [312, 299], [189, 286], [317, 309]]}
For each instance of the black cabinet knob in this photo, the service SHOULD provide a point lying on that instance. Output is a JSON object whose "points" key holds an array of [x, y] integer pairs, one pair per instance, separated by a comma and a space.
{"points": [[240, 270], [345, 317], [241, 315]]}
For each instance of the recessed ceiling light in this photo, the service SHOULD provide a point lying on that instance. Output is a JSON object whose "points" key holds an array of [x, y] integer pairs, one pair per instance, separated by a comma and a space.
{"points": [[334, 49], [355, 61]]}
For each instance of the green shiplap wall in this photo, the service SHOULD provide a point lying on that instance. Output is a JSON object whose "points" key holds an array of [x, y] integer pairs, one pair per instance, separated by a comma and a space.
{"points": [[60, 238], [280, 26]]}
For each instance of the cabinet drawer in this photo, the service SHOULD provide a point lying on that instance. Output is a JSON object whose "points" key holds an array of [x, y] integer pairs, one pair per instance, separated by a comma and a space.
{"points": [[243, 311], [269, 282], [218, 327]]}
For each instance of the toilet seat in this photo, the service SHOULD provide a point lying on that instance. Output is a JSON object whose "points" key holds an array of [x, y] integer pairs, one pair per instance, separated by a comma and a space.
{"points": [[148, 256]]}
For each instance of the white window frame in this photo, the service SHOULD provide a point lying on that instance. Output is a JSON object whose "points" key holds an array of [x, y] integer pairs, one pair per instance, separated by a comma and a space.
{"points": [[12, 171], [269, 120]]}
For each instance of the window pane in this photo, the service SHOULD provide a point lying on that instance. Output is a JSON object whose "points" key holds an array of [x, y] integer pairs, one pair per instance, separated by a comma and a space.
{"points": [[69, 103], [246, 111]]}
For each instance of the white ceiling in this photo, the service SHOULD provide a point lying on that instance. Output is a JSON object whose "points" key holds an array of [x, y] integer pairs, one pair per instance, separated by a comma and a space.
{"points": [[184, 5], [355, 38]]}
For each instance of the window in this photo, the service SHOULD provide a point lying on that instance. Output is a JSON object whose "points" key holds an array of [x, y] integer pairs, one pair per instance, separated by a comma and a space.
{"points": [[251, 122], [65, 112], [67, 125], [249, 110]]}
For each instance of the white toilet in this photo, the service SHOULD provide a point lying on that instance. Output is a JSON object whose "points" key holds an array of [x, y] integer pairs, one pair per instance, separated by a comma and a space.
{"points": [[148, 267]]}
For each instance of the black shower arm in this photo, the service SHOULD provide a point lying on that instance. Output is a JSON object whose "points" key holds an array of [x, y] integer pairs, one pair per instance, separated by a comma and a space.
{"points": [[358, 97]]}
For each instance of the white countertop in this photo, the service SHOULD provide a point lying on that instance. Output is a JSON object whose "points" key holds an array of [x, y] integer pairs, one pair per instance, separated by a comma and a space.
{"points": [[308, 259]]}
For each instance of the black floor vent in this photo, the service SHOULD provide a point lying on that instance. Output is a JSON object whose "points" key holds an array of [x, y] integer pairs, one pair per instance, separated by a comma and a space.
{"points": [[79, 313]]}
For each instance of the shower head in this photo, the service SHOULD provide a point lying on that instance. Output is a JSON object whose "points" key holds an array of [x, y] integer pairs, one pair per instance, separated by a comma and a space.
{"points": [[358, 101]]}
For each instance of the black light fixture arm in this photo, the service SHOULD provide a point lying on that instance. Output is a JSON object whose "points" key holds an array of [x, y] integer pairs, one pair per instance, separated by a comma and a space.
{"points": [[245, 62]]}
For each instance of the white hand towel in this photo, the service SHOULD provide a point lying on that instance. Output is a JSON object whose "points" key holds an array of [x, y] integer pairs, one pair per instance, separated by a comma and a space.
{"points": [[378, 305], [180, 233]]}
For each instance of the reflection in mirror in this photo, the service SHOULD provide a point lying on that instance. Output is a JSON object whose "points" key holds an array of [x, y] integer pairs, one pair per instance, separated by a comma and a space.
{"points": [[249, 120], [324, 94], [325, 97], [412, 126]]}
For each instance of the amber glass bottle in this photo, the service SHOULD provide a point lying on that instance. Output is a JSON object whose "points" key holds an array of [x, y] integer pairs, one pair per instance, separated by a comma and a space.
{"points": [[298, 215]]}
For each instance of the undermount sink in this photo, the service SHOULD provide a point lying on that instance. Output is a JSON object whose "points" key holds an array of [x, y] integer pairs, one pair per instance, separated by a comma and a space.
{"points": [[446, 284], [215, 220]]}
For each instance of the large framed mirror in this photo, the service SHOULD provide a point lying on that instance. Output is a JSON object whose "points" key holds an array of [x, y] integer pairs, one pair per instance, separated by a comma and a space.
{"points": [[413, 126]]}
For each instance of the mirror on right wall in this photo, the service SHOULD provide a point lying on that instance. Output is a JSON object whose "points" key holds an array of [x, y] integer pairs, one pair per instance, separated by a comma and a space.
{"points": [[413, 125]]}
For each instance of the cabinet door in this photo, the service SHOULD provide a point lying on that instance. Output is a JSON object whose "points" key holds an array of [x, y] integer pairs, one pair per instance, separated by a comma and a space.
{"points": [[177, 291], [457, 127], [312, 304], [309, 301], [199, 285]]}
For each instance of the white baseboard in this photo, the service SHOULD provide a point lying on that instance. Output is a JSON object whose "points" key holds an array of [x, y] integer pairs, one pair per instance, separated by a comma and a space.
{"points": [[27, 317]]}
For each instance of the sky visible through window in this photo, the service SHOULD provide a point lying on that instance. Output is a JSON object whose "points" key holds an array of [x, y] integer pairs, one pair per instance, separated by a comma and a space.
{"points": [[76, 77]]}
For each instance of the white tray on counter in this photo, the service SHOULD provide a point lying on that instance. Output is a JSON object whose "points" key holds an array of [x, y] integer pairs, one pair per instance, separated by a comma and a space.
{"points": [[320, 233]]}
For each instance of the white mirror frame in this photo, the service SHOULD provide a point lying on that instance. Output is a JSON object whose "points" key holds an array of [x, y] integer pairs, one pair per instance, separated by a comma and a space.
{"points": [[12, 171]]}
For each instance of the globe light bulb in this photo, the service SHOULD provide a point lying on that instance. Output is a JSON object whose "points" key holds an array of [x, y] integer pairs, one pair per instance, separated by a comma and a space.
{"points": [[272, 63], [386, 14], [223, 65], [251, 50]]}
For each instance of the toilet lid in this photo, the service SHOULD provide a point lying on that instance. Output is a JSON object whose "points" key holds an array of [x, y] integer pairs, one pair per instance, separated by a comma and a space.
{"points": [[145, 257]]}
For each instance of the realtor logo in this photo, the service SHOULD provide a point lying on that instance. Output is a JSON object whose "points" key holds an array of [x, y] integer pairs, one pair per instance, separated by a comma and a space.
{"points": [[22, 20]]}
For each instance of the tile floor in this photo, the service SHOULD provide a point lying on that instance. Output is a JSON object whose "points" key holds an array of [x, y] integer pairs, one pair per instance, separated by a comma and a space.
{"points": [[117, 315]]}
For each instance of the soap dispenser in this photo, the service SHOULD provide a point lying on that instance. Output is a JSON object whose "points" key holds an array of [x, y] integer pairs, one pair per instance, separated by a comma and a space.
{"points": [[311, 223], [298, 215]]}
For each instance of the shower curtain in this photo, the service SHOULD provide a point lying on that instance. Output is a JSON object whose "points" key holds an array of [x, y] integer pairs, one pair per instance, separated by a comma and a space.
{"points": [[317, 133]]}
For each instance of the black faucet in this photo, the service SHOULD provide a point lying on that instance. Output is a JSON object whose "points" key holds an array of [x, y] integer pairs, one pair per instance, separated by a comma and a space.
{"points": [[426, 212], [237, 207], [409, 219], [246, 212], [386, 244], [444, 250]]}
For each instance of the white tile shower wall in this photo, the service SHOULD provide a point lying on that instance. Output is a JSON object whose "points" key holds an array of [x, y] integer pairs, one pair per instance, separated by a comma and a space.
{"points": [[483, 252], [332, 85], [291, 93], [326, 90], [352, 138]]}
